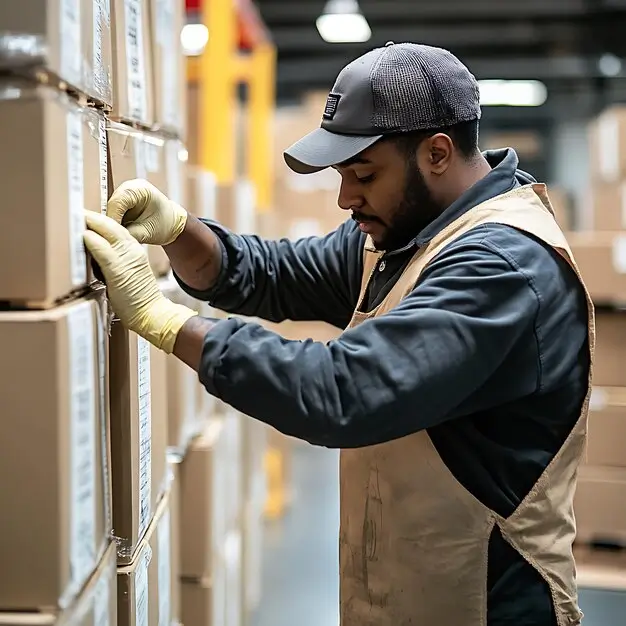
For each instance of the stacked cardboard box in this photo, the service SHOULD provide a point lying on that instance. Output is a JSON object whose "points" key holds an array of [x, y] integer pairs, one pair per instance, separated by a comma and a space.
{"points": [[599, 247], [56, 550], [89, 98]]}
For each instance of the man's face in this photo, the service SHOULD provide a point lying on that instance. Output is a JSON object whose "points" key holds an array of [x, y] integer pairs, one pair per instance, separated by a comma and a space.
{"points": [[387, 194]]}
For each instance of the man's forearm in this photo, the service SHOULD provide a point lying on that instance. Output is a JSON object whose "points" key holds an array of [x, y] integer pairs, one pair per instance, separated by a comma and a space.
{"points": [[196, 255], [190, 341]]}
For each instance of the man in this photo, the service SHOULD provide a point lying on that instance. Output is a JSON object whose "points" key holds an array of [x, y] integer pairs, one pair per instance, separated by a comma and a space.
{"points": [[459, 389]]}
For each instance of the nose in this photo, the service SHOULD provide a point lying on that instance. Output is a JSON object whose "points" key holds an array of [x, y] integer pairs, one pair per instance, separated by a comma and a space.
{"points": [[349, 196]]}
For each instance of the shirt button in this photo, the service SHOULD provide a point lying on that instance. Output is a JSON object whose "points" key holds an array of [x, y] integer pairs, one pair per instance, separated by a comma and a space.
{"points": [[382, 265]]}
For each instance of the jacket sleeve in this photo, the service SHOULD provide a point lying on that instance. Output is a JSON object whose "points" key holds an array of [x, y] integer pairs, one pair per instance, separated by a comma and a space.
{"points": [[393, 375], [314, 278]]}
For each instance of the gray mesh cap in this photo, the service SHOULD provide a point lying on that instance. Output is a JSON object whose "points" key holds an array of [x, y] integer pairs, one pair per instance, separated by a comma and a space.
{"points": [[398, 88]]}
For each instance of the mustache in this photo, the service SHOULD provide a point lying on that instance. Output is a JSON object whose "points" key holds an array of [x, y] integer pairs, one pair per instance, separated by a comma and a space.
{"points": [[357, 216]]}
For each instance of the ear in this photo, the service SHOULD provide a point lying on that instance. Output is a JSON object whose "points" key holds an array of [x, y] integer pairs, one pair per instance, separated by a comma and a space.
{"points": [[440, 152]]}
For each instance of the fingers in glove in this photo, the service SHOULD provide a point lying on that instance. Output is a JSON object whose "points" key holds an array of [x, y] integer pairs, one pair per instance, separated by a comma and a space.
{"points": [[129, 200], [106, 227], [139, 232]]}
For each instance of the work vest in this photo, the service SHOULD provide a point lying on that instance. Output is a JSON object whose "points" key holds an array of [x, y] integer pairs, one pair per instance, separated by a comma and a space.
{"points": [[413, 541]]}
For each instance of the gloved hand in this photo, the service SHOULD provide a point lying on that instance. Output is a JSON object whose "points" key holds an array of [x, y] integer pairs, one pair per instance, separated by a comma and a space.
{"points": [[147, 213], [131, 285]]}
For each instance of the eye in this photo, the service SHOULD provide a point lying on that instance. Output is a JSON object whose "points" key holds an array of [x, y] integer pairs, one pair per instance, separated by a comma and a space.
{"points": [[366, 179]]}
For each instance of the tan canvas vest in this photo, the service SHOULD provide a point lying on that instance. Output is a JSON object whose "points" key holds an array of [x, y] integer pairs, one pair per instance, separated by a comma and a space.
{"points": [[413, 541]]}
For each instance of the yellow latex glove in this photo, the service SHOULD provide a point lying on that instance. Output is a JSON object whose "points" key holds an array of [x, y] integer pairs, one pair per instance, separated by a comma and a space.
{"points": [[148, 214], [131, 285]]}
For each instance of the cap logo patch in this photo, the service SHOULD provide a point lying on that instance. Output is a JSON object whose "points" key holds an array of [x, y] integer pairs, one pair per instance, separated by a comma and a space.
{"points": [[331, 106]]}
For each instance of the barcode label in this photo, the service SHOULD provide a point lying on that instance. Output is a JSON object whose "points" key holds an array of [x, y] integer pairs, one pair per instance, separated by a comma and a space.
{"points": [[174, 172], [145, 433], [151, 152], [76, 193], [102, 602], [104, 164], [167, 40], [141, 587], [140, 158], [71, 68], [101, 336], [137, 96], [165, 569], [98, 37], [83, 441]]}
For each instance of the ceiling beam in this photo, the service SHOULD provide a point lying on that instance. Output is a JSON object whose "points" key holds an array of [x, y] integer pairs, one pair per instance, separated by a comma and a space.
{"points": [[324, 69], [290, 11]]}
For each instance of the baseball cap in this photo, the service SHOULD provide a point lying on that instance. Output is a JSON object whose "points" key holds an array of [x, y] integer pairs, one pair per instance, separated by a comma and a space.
{"points": [[397, 88]]}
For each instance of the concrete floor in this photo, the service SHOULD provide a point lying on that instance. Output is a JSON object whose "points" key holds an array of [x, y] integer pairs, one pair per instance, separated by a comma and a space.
{"points": [[300, 567]]}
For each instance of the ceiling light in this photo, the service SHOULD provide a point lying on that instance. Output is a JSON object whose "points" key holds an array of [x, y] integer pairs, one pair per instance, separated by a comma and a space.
{"points": [[609, 65], [512, 93], [194, 38], [343, 22]]}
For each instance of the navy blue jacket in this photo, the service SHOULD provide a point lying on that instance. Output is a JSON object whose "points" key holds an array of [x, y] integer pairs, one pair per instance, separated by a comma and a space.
{"points": [[488, 353]]}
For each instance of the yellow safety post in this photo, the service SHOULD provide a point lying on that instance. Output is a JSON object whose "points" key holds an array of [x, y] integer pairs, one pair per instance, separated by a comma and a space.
{"points": [[260, 110], [218, 90]]}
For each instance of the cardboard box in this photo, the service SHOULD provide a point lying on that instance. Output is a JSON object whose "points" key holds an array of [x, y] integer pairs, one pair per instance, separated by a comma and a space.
{"points": [[606, 204], [210, 498], [144, 587], [174, 468], [96, 605], [56, 512], [599, 505], [72, 40], [134, 154], [562, 207], [201, 193], [601, 258], [252, 554], [170, 78], [176, 167], [600, 569], [52, 171], [607, 145], [608, 366], [184, 417], [607, 427], [132, 62], [216, 601], [138, 423]]}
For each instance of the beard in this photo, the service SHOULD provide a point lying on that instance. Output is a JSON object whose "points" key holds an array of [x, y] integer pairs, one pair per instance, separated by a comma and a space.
{"points": [[416, 211]]}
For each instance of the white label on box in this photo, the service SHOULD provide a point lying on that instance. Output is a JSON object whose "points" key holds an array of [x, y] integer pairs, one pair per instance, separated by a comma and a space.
{"points": [[608, 145], [145, 434], [207, 195], [141, 587], [136, 67], [140, 158], [76, 192], [71, 68], [151, 152], [165, 569], [104, 164], [83, 441], [102, 601], [174, 172], [246, 200], [170, 54], [98, 37], [619, 254]]}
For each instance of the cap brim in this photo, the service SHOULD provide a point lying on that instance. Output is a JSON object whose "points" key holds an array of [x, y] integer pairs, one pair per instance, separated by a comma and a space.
{"points": [[321, 149]]}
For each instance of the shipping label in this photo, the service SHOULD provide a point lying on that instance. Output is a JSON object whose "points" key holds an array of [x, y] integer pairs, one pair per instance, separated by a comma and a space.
{"points": [[174, 172], [170, 54], [83, 441], [76, 192], [145, 434], [98, 70], [165, 571], [141, 166], [136, 67], [141, 587], [104, 164], [71, 57], [151, 152]]}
